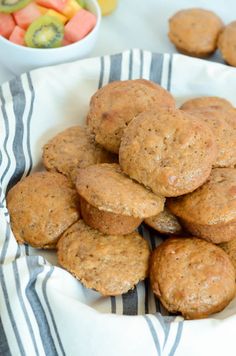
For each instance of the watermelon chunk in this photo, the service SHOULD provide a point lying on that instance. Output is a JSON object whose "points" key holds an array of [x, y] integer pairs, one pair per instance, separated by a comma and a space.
{"points": [[27, 15], [80, 25], [57, 5], [7, 25], [17, 36], [65, 42]]}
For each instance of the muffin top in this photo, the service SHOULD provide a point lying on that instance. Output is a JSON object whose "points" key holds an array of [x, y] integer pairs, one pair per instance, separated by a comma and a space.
{"points": [[71, 149], [227, 43], [110, 264], [42, 206], [192, 276], [168, 151], [224, 135], [107, 188], [212, 203], [116, 104], [206, 102], [195, 31]]}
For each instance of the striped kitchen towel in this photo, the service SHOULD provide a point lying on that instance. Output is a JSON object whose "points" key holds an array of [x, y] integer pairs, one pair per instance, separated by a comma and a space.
{"points": [[43, 309]]}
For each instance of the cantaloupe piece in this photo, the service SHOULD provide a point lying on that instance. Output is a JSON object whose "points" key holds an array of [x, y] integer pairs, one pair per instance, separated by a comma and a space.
{"points": [[7, 25], [71, 8], [42, 9], [80, 25], [56, 14], [27, 15], [17, 36]]}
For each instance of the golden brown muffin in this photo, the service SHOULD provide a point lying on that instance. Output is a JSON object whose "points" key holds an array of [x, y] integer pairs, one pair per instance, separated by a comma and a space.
{"points": [[230, 117], [105, 187], [165, 223], [195, 31], [192, 277], [214, 102], [227, 43], [230, 248], [41, 207], [110, 264], [74, 148], [116, 104], [106, 222], [168, 151], [224, 135], [210, 211]]}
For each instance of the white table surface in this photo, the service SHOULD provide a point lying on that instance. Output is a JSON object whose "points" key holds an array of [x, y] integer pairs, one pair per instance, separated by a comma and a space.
{"points": [[144, 24]]}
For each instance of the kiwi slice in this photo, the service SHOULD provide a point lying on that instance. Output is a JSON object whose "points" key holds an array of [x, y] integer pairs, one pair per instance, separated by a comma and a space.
{"points": [[9, 6], [82, 3], [45, 32]]}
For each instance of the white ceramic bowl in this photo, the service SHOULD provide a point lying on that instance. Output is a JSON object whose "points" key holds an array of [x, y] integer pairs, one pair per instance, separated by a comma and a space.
{"points": [[20, 59]]}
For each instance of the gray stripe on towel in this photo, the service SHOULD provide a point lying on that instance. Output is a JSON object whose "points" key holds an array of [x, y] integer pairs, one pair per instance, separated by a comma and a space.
{"points": [[23, 307], [44, 288], [11, 313], [19, 101], [154, 334], [6, 123], [156, 67], [100, 83], [47, 340], [115, 69], [4, 347], [170, 72], [177, 339], [29, 122]]}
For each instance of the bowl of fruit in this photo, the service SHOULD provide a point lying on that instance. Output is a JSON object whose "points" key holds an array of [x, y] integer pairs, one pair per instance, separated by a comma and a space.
{"points": [[45, 32]]}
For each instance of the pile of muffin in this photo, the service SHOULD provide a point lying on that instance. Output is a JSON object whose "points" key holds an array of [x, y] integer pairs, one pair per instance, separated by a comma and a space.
{"points": [[176, 173], [199, 32]]}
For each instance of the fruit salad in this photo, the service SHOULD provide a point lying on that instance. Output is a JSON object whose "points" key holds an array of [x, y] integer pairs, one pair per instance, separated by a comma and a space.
{"points": [[45, 23]]}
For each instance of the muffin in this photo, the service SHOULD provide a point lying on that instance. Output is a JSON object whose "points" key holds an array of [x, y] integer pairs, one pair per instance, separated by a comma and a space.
{"points": [[116, 104], [195, 31], [210, 211], [227, 43], [230, 248], [107, 193], [110, 264], [224, 135], [192, 277], [230, 117], [74, 148], [107, 222], [41, 207], [214, 102], [169, 152], [165, 223]]}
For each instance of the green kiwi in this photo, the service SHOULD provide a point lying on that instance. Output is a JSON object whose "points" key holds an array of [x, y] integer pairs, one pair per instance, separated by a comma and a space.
{"points": [[82, 3], [9, 6], [45, 32]]}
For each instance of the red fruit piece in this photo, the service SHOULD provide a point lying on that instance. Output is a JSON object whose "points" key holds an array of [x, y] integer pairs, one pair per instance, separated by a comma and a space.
{"points": [[27, 15], [17, 36], [7, 25], [57, 5], [65, 42], [80, 25]]}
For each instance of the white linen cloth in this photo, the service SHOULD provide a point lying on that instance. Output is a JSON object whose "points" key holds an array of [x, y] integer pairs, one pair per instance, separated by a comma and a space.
{"points": [[43, 309]]}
